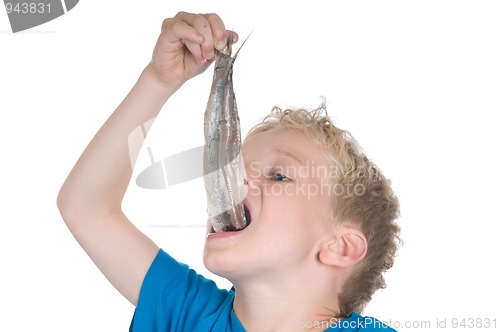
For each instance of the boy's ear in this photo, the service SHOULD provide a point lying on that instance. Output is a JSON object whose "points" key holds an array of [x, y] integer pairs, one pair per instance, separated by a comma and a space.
{"points": [[346, 249]]}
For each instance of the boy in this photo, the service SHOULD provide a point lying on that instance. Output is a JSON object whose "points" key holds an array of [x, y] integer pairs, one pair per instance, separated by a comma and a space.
{"points": [[321, 229]]}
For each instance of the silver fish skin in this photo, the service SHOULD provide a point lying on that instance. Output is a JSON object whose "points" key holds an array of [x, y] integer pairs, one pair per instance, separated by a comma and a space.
{"points": [[223, 165]]}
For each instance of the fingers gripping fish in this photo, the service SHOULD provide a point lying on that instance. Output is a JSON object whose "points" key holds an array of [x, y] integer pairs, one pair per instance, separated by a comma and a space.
{"points": [[223, 163]]}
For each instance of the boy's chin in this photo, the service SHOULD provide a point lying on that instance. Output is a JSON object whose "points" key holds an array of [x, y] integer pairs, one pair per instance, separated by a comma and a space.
{"points": [[220, 263]]}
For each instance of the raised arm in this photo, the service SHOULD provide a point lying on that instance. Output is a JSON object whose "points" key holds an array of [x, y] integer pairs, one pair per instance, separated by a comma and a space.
{"points": [[90, 198]]}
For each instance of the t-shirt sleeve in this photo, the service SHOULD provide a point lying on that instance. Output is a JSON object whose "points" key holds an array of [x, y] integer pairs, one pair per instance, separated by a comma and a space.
{"points": [[174, 297]]}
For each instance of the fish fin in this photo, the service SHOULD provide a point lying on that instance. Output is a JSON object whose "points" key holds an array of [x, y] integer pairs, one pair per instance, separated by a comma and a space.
{"points": [[238, 51]]}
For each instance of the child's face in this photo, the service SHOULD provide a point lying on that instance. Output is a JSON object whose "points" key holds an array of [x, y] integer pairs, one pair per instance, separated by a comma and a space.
{"points": [[289, 204]]}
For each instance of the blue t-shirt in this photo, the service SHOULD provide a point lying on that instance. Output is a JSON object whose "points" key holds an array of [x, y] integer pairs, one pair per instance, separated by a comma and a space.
{"points": [[175, 298]]}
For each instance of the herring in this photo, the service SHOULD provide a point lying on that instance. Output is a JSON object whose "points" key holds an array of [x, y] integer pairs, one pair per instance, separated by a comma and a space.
{"points": [[223, 165]]}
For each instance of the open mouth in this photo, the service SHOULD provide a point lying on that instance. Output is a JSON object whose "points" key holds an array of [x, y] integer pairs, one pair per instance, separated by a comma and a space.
{"points": [[232, 228]]}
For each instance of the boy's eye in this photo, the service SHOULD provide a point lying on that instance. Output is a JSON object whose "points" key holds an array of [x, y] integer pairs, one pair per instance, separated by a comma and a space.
{"points": [[279, 177]]}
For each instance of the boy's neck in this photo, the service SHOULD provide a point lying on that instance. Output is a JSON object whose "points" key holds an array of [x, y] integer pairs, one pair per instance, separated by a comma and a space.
{"points": [[261, 309]]}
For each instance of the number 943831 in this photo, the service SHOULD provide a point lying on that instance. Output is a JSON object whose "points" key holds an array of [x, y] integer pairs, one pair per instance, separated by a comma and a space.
{"points": [[27, 8]]}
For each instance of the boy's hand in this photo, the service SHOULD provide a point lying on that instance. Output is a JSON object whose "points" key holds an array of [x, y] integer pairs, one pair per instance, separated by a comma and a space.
{"points": [[186, 46]]}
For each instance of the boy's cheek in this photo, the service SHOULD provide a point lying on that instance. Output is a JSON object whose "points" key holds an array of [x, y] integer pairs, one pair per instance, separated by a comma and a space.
{"points": [[281, 189], [254, 190]]}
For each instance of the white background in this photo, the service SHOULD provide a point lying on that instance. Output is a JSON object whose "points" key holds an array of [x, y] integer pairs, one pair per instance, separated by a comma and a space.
{"points": [[416, 82]]}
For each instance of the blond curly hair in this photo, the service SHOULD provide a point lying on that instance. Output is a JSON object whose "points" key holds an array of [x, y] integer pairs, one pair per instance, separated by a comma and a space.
{"points": [[374, 209]]}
